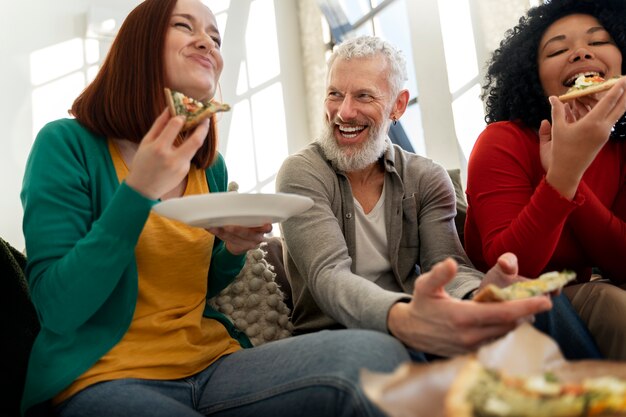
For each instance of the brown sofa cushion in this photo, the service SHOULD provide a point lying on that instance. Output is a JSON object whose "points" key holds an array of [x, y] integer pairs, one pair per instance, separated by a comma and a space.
{"points": [[255, 302]]}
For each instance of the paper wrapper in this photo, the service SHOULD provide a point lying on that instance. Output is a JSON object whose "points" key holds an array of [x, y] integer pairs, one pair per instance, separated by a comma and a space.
{"points": [[418, 390]]}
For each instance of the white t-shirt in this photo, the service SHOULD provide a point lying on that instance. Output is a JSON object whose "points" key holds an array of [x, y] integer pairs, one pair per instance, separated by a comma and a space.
{"points": [[372, 254]]}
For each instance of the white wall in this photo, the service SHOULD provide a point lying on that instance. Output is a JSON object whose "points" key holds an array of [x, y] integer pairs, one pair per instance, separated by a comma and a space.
{"points": [[28, 26], [23, 31]]}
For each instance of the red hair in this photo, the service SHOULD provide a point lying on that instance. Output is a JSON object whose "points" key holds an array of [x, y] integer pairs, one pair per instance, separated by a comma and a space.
{"points": [[127, 94]]}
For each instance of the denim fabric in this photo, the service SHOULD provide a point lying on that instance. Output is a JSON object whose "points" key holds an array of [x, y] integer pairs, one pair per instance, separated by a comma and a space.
{"points": [[568, 330], [311, 375]]}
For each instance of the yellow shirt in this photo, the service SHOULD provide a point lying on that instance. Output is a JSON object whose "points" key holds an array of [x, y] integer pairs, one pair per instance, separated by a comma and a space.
{"points": [[168, 337]]}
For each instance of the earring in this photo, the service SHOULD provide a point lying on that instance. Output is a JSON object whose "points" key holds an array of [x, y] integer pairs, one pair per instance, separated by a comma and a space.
{"points": [[395, 121]]}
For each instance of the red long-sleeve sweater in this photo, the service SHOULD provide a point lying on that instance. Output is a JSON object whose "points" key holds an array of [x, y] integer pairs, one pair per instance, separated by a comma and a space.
{"points": [[511, 208]]}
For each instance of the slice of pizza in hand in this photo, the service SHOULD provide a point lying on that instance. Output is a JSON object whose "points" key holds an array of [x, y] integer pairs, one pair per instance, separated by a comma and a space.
{"points": [[588, 83], [194, 110], [481, 392], [544, 284]]}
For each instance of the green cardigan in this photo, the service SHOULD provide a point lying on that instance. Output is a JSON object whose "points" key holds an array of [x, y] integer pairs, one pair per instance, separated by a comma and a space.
{"points": [[81, 227]]}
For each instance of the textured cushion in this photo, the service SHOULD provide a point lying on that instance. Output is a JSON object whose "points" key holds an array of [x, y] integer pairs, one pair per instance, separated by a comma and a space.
{"points": [[254, 302]]}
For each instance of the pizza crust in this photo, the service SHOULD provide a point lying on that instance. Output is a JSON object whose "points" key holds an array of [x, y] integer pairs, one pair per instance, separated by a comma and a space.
{"points": [[488, 294], [192, 120], [456, 403], [170, 102], [597, 88]]}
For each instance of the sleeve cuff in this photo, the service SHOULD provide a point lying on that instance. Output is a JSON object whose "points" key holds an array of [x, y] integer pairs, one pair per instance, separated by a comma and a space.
{"points": [[400, 298], [577, 201]]}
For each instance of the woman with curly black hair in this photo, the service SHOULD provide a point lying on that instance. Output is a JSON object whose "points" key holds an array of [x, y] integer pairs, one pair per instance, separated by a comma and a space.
{"points": [[546, 179]]}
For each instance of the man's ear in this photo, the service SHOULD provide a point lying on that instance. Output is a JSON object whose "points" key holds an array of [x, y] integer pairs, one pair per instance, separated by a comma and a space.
{"points": [[400, 104]]}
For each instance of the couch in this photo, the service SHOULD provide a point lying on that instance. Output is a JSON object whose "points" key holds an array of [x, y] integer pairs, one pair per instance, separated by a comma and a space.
{"points": [[19, 321]]}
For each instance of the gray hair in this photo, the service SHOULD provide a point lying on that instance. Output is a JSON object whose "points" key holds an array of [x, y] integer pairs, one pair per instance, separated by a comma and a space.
{"points": [[369, 46]]}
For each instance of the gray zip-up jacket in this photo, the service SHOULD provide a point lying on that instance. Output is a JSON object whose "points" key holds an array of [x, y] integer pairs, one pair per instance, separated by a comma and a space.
{"points": [[320, 243]]}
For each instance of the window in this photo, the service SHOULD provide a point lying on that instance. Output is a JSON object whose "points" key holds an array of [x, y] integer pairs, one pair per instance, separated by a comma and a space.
{"points": [[438, 38], [463, 74], [253, 135], [58, 75], [61, 71], [388, 20]]}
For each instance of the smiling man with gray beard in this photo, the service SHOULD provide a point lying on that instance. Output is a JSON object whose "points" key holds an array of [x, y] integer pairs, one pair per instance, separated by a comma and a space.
{"points": [[352, 158], [379, 249]]}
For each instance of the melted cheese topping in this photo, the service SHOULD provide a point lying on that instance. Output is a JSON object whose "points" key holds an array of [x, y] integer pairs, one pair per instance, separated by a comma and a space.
{"points": [[495, 394], [584, 81], [545, 283]]}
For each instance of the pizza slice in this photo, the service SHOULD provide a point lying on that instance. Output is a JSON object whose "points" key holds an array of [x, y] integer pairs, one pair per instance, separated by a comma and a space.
{"points": [[544, 284], [589, 83], [194, 110], [481, 392]]}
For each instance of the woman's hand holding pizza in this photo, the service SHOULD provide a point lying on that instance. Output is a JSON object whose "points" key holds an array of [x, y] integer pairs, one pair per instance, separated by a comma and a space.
{"points": [[577, 133], [159, 165]]}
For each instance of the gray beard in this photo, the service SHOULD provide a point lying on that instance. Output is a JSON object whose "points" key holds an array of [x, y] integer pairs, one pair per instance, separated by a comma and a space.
{"points": [[356, 157]]}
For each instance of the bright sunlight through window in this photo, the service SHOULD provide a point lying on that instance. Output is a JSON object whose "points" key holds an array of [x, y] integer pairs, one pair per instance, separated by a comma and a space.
{"points": [[257, 138], [58, 74]]}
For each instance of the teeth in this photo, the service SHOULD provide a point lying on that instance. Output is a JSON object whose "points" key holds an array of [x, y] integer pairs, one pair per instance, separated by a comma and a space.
{"points": [[570, 81], [350, 129]]}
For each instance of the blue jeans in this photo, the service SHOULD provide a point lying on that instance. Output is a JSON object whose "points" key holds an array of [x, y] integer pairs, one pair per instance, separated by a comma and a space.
{"points": [[563, 324], [311, 375]]}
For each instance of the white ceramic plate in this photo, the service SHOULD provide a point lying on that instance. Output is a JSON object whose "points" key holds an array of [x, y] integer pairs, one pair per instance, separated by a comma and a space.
{"points": [[232, 208]]}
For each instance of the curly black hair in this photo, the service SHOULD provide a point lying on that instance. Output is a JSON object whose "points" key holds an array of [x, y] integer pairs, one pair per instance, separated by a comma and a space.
{"points": [[512, 90]]}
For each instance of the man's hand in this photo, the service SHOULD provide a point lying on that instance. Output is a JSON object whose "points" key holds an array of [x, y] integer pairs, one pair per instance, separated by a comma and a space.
{"points": [[239, 239], [435, 322]]}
